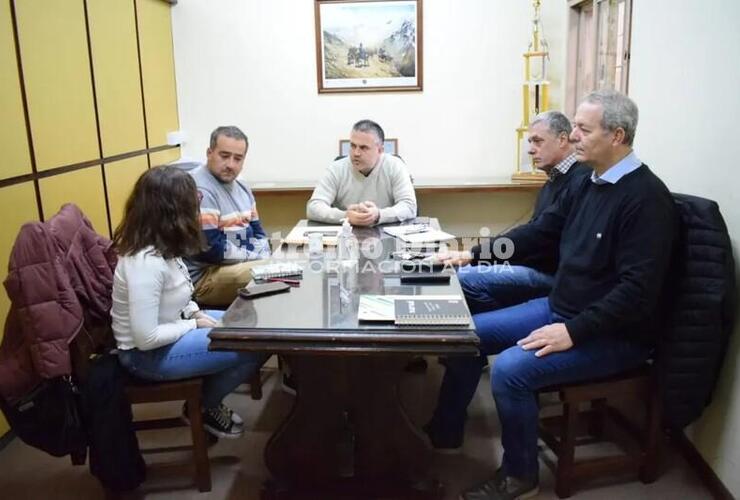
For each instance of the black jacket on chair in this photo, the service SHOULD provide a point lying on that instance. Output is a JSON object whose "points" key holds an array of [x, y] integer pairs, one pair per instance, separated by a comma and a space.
{"points": [[115, 458], [700, 311]]}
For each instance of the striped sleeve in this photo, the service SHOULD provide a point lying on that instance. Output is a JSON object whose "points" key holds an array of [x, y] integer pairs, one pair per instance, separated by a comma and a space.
{"points": [[221, 232]]}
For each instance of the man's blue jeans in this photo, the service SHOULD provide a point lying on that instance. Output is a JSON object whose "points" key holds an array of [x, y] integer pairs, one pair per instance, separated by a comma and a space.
{"points": [[223, 371], [488, 288], [516, 375]]}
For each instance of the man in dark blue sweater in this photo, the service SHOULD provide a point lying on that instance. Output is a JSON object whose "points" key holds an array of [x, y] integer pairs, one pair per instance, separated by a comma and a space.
{"points": [[487, 287], [615, 233]]}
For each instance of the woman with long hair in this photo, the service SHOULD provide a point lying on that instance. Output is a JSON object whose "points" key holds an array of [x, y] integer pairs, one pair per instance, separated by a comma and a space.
{"points": [[161, 333]]}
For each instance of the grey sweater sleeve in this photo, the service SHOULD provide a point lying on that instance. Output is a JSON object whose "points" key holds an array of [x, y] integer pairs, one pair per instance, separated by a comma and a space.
{"points": [[319, 207], [404, 197]]}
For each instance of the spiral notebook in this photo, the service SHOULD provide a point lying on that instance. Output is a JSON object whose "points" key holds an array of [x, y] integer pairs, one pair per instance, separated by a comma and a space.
{"points": [[276, 270], [382, 307], [431, 311]]}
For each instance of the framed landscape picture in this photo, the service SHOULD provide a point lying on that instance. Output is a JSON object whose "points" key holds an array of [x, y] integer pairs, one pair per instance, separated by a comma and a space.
{"points": [[368, 45]]}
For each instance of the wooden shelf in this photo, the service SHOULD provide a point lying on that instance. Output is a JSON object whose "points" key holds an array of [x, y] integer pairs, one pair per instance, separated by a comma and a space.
{"points": [[474, 184]]}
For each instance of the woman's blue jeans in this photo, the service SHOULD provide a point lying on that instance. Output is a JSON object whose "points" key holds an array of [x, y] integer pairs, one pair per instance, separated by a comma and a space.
{"points": [[516, 375], [222, 371]]}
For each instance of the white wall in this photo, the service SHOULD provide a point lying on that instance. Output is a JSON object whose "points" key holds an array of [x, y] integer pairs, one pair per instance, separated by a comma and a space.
{"points": [[252, 63], [685, 78]]}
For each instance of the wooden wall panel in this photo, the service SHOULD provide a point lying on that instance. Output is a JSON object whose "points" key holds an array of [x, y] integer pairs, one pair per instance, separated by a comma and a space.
{"points": [[164, 157], [120, 178], [158, 69], [116, 70], [17, 206], [56, 66], [84, 188], [13, 140]]}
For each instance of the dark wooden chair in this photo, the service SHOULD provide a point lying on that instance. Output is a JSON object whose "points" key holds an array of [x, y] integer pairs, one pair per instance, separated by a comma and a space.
{"points": [[93, 340], [188, 390], [563, 433], [255, 386]]}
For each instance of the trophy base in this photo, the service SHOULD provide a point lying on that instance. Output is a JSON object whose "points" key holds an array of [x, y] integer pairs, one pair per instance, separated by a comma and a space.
{"points": [[535, 176]]}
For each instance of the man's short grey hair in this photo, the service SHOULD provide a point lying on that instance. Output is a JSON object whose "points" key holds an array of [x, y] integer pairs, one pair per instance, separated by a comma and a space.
{"points": [[229, 131], [369, 126], [619, 112], [556, 122]]}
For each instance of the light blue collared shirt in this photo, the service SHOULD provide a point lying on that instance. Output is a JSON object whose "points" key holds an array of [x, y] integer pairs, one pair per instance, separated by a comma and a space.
{"points": [[626, 165]]}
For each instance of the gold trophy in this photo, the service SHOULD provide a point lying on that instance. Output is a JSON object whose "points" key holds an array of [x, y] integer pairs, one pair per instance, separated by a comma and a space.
{"points": [[535, 94]]}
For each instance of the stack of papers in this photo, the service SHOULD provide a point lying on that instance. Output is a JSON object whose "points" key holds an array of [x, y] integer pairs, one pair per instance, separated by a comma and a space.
{"points": [[404, 229], [276, 270], [418, 233], [377, 307], [299, 234]]}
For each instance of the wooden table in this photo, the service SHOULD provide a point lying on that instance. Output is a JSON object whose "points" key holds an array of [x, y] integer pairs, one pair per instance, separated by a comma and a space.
{"points": [[347, 432]]}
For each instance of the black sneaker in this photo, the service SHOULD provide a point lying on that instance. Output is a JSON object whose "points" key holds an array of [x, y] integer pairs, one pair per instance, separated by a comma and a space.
{"points": [[218, 422], [235, 417], [503, 487], [238, 421]]}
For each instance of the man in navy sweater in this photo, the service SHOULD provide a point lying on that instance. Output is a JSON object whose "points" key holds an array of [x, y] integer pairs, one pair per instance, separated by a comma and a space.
{"points": [[615, 233], [489, 287]]}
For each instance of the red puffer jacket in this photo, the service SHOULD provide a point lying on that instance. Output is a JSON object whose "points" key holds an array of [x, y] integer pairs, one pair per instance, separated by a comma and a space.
{"points": [[60, 273]]}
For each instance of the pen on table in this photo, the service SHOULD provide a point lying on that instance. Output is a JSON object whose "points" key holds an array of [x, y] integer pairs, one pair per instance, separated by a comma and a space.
{"points": [[284, 280], [417, 230]]}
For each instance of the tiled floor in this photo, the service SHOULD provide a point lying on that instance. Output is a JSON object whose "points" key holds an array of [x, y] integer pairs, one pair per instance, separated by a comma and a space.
{"points": [[238, 470]]}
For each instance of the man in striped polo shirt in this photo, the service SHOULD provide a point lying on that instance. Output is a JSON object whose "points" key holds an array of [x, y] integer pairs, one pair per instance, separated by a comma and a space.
{"points": [[229, 219]]}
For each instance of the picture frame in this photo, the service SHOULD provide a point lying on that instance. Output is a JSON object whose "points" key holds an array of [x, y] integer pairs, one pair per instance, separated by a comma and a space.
{"points": [[369, 45], [390, 146]]}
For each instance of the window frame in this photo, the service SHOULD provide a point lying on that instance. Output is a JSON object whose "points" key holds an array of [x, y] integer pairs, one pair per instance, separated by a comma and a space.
{"points": [[588, 39]]}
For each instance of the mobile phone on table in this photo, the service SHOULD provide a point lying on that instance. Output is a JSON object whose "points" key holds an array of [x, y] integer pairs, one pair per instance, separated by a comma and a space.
{"points": [[258, 290], [410, 255], [422, 266]]}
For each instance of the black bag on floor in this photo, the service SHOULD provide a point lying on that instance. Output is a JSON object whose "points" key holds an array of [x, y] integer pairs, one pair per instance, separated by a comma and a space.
{"points": [[49, 418]]}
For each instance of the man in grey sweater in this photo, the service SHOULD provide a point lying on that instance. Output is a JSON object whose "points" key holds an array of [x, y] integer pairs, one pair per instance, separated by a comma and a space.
{"points": [[367, 187]]}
